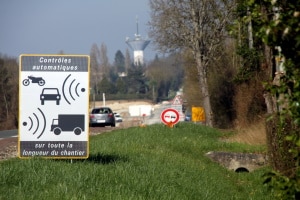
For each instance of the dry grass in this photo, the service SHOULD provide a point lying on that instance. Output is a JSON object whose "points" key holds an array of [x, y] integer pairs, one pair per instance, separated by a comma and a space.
{"points": [[254, 134]]}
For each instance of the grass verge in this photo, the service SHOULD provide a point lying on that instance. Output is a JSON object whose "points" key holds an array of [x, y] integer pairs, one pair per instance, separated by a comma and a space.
{"points": [[154, 162]]}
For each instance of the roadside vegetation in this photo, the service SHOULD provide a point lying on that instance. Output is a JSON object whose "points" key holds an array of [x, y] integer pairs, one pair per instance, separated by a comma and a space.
{"points": [[239, 60], [153, 162]]}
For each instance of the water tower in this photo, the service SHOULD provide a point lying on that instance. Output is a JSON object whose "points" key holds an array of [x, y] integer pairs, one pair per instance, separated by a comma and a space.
{"points": [[138, 45]]}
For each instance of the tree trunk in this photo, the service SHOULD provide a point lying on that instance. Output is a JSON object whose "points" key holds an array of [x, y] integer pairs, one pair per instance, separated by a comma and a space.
{"points": [[204, 89], [206, 105], [277, 128], [250, 31], [270, 103], [6, 103]]}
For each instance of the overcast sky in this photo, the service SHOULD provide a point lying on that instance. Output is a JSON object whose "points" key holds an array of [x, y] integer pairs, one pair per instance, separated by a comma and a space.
{"points": [[73, 26]]}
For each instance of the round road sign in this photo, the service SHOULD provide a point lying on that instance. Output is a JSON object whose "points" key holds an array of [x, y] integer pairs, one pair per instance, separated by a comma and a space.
{"points": [[169, 116]]}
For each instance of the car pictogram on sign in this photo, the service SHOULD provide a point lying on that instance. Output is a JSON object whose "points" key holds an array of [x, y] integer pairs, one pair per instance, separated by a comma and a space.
{"points": [[50, 94]]}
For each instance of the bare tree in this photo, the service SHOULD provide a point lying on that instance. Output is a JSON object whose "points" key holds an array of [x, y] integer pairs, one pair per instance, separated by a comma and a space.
{"points": [[99, 64], [9, 92], [104, 61], [127, 60], [95, 67], [197, 25]]}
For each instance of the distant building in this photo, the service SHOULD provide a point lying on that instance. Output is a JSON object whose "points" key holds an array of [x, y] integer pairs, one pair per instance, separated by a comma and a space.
{"points": [[138, 45]]}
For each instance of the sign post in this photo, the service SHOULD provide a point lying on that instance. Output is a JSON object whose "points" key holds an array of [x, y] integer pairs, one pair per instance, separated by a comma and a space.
{"points": [[54, 106]]}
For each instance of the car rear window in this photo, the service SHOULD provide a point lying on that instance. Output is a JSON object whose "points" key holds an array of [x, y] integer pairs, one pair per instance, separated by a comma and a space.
{"points": [[101, 111]]}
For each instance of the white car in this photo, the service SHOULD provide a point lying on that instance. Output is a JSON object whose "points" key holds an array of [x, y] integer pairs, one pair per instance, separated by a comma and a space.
{"points": [[118, 117]]}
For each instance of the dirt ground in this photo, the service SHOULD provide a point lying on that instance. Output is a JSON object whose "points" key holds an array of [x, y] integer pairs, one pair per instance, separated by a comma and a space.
{"points": [[8, 148]]}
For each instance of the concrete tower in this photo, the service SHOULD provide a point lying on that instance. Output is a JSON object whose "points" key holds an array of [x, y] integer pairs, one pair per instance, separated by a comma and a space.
{"points": [[138, 45]]}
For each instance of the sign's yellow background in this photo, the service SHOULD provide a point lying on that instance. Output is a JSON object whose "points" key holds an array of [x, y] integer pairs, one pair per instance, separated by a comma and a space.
{"points": [[198, 114]]}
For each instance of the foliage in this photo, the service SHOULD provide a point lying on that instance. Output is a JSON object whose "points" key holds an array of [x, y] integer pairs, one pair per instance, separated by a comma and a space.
{"points": [[9, 93], [124, 80], [119, 62], [279, 28], [222, 87], [121, 86], [191, 87], [250, 57], [220, 84], [196, 25], [252, 67], [105, 86], [136, 80], [249, 65], [165, 75]]}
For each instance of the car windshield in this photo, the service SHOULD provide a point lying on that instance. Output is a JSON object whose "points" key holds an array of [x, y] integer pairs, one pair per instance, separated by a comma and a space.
{"points": [[50, 91]]}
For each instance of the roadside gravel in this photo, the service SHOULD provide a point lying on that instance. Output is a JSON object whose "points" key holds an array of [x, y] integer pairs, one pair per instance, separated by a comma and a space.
{"points": [[8, 148]]}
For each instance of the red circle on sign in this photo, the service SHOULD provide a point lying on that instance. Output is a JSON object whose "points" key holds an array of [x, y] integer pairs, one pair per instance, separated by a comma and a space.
{"points": [[169, 116]]}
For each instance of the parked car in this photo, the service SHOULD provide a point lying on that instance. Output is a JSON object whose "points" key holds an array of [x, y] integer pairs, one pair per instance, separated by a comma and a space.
{"points": [[118, 117], [102, 116], [187, 117]]}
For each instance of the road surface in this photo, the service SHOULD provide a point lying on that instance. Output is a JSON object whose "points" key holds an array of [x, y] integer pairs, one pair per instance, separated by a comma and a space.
{"points": [[8, 134]]}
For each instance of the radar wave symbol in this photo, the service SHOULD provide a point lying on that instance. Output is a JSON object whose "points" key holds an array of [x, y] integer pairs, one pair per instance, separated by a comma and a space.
{"points": [[71, 88], [35, 122]]}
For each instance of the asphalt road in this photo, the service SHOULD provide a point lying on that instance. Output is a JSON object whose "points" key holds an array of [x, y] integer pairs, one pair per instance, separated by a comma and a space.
{"points": [[8, 134]]}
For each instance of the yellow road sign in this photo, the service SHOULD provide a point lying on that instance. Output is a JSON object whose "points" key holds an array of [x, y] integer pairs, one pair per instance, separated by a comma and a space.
{"points": [[198, 114]]}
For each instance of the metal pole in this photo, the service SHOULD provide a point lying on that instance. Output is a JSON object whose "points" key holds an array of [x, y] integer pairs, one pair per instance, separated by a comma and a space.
{"points": [[103, 99]]}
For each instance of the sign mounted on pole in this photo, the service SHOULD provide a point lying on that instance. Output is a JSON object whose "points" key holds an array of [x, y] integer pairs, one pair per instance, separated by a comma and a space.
{"points": [[54, 106], [177, 100], [198, 114], [169, 116]]}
